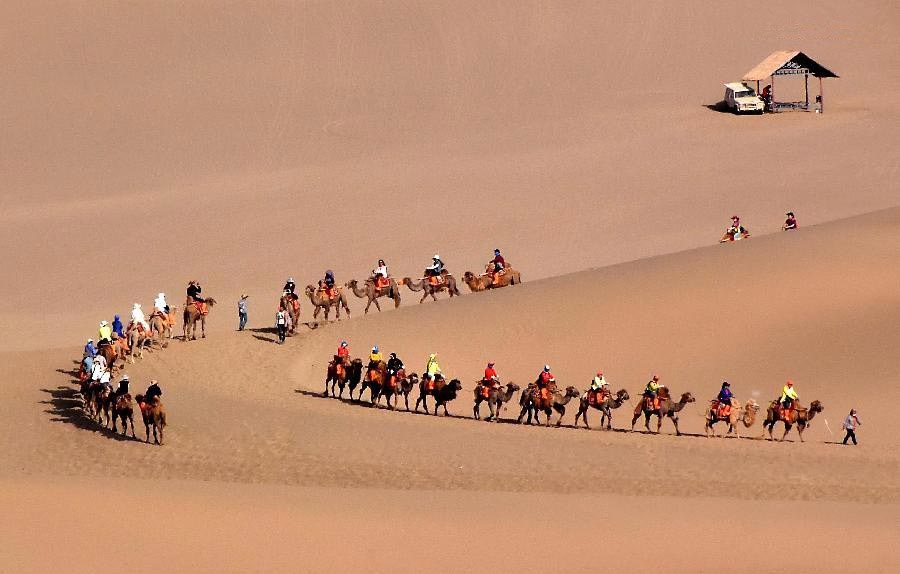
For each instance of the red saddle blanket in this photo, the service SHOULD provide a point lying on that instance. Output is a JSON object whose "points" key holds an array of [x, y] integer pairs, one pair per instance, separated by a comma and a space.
{"points": [[722, 410], [202, 307], [597, 397], [651, 403]]}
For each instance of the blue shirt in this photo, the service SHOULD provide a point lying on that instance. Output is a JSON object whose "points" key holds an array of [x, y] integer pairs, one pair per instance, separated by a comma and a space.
{"points": [[90, 350], [725, 395]]}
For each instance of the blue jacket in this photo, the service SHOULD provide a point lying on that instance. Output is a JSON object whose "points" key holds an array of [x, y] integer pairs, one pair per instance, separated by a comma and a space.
{"points": [[725, 395], [117, 326], [90, 350]]}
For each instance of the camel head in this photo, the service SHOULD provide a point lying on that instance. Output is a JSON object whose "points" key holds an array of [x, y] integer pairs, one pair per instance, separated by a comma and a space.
{"points": [[687, 398], [456, 384], [572, 392], [356, 362], [309, 290], [413, 379], [468, 276], [512, 387], [751, 406], [351, 284], [816, 407], [622, 395]]}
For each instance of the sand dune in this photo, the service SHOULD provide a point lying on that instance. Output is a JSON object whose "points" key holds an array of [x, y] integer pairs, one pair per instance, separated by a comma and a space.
{"points": [[149, 144]]}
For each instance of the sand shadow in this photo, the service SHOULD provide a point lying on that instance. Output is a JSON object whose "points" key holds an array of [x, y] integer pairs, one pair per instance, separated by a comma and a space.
{"points": [[719, 107], [65, 407]]}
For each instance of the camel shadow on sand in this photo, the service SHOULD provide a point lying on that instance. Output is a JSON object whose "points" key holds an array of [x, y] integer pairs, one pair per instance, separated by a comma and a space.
{"points": [[65, 407], [365, 403]]}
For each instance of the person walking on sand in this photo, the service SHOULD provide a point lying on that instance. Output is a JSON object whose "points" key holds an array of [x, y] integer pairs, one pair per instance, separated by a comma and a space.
{"points": [[281, 324], [850, 423], [242, 312]]}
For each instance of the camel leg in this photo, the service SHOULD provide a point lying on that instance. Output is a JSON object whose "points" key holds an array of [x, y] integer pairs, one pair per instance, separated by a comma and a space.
{"points": [[161, 428], [131, 419], [475, 411], [800, 428], [147, 431], [377, 306], [446, 412], [787, 429]]}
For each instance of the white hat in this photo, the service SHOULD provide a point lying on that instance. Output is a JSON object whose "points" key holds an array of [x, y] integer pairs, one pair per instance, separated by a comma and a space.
{"points": [[103, 323], [137, 305], [161, 295], [90, 340], [436, 256]]}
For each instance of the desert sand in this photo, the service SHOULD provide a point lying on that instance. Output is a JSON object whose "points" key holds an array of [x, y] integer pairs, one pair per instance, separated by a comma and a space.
{"points": [[149, 144]]}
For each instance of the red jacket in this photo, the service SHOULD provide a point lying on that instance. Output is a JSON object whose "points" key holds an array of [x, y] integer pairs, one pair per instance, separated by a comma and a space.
{"points": [[545, 378], [343, 352], [489, 373]]}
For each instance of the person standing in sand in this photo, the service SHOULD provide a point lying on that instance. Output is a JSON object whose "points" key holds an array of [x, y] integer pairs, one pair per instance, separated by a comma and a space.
{"points": [[242, 312], [850, 423], [281, 324]]}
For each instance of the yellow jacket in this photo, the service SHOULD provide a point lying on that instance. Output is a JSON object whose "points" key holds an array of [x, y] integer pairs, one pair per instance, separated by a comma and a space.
{"points": [[105, 333], [788, 393], [432, 368], [375, 357]]}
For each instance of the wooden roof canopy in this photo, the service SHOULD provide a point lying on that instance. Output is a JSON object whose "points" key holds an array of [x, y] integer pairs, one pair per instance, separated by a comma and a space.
{"points": [[785, 63]]}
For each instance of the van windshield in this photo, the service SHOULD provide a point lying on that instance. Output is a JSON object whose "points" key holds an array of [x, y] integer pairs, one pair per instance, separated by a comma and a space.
{"points": [[744, 94]]}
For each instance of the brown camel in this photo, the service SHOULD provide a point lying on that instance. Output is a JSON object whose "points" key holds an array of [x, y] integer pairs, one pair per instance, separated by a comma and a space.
{"points": [[799, 415], [533, 403], [448, 282], [111, 352], [390, 388], [406, 386], [137, 341], [290, 302], [442, 391], [320, 301], [745, 414], [376, 374], [160, 329], [667, 408], [605, 404], [154, 414], [370, 292], [495, 399], [191, 316], [123, 409], [485, 281], [351, 373], [101, 397]]}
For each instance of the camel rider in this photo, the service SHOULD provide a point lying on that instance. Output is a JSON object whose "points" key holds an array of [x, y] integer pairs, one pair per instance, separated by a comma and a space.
{"points": [[652, 387], [724, 398], [432, 368], [394, 364], [788, 396], [598, 383], [193, 293], [328, 283], [380, 274], [122, 389], [375, 357], [138, 319], [289, 286], [117, 326], [546, 378], [342, 357], [435, 269], [89, 349], [160, 306], [104, 334], [790, 222], [490, 376], [98, 368]]}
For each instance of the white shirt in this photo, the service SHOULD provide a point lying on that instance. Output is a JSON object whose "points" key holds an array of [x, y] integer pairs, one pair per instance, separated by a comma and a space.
{"points": [[382, 270], [97, 372], [160, 304]]}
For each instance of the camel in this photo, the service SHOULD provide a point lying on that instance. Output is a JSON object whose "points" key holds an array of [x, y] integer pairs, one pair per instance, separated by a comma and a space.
{"points": [[448, 283], [747, 415], [99, 398], [374, 380], [442, 391], [160, 329], [485, 281], [123, 409], [291, 304], [495, 399], [390, 387], [606, 405], [111, 352], [154, 414], [351, 373], [406, 387], [137, 340], [392, 291], [533, 403], [320, 301], [191, 316], [800, 415], [667, 408]]}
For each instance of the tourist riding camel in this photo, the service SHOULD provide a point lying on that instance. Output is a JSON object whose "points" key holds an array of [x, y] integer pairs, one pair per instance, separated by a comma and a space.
{"points": [[788, 400], [497, 266], [122, 389], [193, 293], [599, 389], [789, 223], [342, 359], [160, 305], [489, 382], [327, 284], [432, 372], [651, 392], [546, 383], [433, 271], [394, 364], [104, 334], [723, 401], [380, 275], [117, 326], [138, 320], [290, 286], [375, 357]]}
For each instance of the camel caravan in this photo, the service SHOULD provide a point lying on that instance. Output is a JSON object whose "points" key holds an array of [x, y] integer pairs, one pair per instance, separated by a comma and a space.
{"points": [[389, 380]]}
